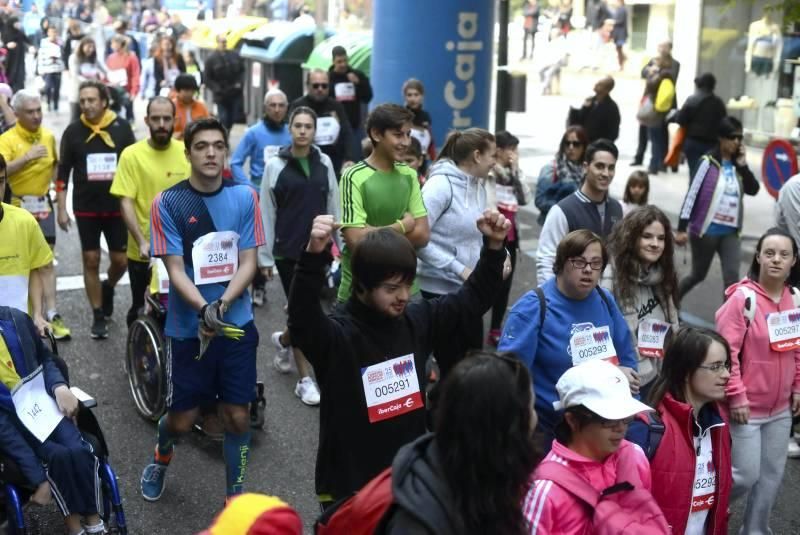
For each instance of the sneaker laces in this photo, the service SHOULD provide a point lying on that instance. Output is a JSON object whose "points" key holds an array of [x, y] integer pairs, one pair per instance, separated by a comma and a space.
{"points": [[152, 475]]}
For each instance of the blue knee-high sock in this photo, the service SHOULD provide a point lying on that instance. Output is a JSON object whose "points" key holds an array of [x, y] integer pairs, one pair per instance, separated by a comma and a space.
{"points": [[165, 442], [236, 450]]}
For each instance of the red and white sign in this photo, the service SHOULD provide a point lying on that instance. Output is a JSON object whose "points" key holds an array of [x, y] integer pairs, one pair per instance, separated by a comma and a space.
{"points": [[784, 330], [702, 503], [215, 257], [391, 388], [651, 336], [593, 344]]}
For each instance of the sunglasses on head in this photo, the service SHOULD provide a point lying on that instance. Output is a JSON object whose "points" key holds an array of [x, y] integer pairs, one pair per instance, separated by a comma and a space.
{"points": [[319, 86]]}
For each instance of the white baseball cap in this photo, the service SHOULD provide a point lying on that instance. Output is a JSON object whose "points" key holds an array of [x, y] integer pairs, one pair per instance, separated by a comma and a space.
{"points": [[599, 386]]}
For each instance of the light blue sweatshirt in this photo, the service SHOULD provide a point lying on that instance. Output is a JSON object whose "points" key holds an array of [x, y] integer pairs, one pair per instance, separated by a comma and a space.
{"points": [[256, 139]]}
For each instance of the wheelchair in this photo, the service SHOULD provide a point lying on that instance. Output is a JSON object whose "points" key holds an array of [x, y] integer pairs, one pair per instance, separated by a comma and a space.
{"points": [[15, 491]]}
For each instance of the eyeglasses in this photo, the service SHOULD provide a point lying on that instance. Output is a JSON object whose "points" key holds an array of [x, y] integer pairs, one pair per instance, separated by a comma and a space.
{"points": [[717, 367], [581, 263], [573, 144], [610, 424], [735, 137], [319, 86]]}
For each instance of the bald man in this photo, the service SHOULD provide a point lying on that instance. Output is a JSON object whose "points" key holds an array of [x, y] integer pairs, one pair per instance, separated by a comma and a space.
{"points": [[600, 114]]}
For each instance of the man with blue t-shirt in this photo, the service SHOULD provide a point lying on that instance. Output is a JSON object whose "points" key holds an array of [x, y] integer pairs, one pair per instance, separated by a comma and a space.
{"points": [[207, 232]]}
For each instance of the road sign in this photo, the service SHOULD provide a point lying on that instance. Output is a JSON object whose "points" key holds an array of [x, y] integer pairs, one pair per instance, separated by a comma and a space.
{"points": [[778, 165]]}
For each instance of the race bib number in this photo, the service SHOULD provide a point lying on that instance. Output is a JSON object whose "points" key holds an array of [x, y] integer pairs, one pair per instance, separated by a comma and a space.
{"points": [[270, 151], [423, 136], [391, 388], [784, 330], [118, 77], [215, 257], [101, 166], [593, 344], [651, 337], [38, 206], [345, 91], [327, 131], [35, 408], [506, 198], [14, 292]]}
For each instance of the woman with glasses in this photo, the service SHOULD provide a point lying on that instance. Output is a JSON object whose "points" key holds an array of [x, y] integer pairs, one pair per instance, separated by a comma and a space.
{"points": [[564, 174], [645, 285], [568, 321], [761, 322], [590, 447], [486, 395], [712, 211], [691, 463]]}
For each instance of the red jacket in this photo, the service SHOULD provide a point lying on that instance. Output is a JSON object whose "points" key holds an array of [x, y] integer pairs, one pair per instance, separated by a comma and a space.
{"points": [[673, 467]]}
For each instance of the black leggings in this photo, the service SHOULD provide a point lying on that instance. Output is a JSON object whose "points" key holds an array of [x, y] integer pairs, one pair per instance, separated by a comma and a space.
{"points": [[501, 301]]}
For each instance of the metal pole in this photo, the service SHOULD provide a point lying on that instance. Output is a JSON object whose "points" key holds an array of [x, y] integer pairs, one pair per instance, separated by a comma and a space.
{"points": [[502, 95]]}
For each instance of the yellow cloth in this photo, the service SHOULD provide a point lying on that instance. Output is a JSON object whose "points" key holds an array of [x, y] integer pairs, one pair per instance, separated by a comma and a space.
{"points": [[142, 173], [8, 374], [97, 129], [35, 176], [256, 513], [22, 249]]}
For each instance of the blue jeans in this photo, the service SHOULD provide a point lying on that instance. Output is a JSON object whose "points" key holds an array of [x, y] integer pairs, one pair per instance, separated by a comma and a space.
{"points": [[658, 147], [694, 149]]}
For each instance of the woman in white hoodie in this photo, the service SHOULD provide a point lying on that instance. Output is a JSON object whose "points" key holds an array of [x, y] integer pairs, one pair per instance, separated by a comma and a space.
{"points": [[455, 196]]}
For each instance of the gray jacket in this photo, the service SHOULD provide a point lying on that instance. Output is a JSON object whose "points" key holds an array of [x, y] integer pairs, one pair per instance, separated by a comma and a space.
{"points": [[454, 201]]}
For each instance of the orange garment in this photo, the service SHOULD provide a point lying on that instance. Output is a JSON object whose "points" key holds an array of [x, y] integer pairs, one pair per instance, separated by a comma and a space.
{"points": [[128, 62], [674, 155], [197, 110]]}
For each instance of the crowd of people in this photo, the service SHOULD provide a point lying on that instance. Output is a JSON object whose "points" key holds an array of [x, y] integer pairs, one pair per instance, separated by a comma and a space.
{"points": [[593, 406]]}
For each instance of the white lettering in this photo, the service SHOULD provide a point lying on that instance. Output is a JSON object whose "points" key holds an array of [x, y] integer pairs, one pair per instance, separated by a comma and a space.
{"points": [[460, 98]]}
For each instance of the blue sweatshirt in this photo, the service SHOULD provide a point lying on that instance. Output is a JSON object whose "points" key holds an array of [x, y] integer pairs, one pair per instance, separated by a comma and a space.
{"points": [[256, 139], [547, 353]]}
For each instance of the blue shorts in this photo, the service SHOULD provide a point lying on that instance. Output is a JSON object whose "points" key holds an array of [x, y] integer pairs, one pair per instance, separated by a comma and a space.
{"points": [[226, 372]]}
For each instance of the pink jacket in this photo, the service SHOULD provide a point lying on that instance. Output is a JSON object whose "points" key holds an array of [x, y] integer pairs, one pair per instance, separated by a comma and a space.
{"points": [[549, 509], [761, 378]]}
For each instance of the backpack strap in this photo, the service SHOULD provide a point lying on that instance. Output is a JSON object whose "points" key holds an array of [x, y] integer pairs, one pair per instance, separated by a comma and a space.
{"points": [[569, 481], [655, 432], [542, 305], [604, 297]]}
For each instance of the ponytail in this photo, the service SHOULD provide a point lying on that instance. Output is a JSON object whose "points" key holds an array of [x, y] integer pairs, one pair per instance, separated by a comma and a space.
{"points": [[460, 144]]}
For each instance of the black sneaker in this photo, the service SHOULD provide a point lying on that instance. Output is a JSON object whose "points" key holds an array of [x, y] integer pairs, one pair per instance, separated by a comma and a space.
{"points": [[99, 326], [108, 299]]}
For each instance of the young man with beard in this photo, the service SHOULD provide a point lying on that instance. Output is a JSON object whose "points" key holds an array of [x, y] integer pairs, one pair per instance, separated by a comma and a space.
{"points": [[145, 169], [334, 136], [207, 230], [588, 208], [370, 354], [90, 148]]}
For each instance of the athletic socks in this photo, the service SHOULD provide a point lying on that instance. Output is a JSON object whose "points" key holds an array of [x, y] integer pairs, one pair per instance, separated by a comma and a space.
{"points": [[166, 442], [236, 450]]}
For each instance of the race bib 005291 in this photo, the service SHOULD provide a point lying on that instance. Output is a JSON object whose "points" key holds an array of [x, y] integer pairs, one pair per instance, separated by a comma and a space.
{"points": [[391, 388]]}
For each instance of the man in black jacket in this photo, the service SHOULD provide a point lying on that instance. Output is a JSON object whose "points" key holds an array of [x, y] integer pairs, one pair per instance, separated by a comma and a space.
{"points": [[369, 355], [334, 135], [224, 76], [600, 114], [350, 88]]}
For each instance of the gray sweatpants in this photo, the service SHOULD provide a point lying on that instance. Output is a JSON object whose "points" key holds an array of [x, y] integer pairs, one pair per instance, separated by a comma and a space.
{"points": [[759, 458], [729, 248]]}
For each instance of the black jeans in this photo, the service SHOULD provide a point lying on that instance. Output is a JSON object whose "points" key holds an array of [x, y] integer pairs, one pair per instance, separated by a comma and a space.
{"points": [[229, 110], [52, 89], [694, 149], [138, 273]]}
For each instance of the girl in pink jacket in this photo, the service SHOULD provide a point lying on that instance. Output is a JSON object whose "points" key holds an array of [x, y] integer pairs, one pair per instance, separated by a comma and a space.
{"points": [[761, 322], [589, 442]]}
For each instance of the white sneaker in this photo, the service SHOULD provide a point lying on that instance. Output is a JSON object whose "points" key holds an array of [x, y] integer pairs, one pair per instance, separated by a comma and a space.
{"points": [[258, 297], [307, 391], [793, 451], [283, 360]]}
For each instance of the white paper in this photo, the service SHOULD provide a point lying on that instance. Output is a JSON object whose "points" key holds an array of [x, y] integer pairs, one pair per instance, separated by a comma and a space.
{"points": [[14, 292], [37, 411]]}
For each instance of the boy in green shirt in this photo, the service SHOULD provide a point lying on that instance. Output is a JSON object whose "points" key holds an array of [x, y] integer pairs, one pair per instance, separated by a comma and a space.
{"points": [[381, 191]]}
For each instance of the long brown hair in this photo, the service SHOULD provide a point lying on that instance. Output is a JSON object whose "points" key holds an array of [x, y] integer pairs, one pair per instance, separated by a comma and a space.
{"points": [[158, 54], [624, 247], [460, 144]]}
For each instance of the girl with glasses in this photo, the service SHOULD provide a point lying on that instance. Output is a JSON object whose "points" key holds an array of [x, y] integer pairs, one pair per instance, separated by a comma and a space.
{"points": [[761, 322], [691, 463], [644, 284], [568, 321]]}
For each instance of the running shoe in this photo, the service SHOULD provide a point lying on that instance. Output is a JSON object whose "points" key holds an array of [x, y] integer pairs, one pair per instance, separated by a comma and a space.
{"points": [[108, 299], [307, 391], [153, 479], [60, 331], [793, 451], [99, 326], [283, 360], [259, 295]]}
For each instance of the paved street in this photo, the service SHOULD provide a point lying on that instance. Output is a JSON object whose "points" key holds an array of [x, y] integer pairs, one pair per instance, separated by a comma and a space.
{"points": [[282, 458]]}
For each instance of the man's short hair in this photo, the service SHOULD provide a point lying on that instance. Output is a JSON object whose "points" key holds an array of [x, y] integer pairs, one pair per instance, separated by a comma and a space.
{"points": [[275, 92], [382, 255], [186, 81], [387, 117], [315, 71], [208, 123], [600, 145], [102, 90], [159, 98], [573, 244], [338, 51], [23, 96]]}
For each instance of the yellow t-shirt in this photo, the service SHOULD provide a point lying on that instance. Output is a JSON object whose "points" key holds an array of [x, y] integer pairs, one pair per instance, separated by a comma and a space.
{"points": [[35, 176], [22, 249], [8, 373], [142, 173]]}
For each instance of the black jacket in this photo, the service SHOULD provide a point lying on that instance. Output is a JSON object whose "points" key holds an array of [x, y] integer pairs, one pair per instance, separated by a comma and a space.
{"points": [[351, 449], [224, 75], [342, 149], [363, 94], [600, 119], [158, 70], [423, 503], [701, 115]]}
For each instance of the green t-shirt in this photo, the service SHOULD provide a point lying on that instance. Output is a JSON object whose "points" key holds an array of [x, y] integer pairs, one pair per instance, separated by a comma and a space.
{"points": [[377, 199], [305, 165]]}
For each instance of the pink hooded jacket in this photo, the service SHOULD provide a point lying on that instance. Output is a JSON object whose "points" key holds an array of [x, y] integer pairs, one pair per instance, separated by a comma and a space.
{"points": [[761, 378], [549, 509]]}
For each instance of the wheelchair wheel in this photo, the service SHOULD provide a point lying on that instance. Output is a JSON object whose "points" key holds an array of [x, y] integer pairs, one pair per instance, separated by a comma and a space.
{"points": [[146, 366]]}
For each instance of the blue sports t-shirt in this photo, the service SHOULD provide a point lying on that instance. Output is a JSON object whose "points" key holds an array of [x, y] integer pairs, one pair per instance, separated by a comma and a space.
{"points": [[179, 217]]}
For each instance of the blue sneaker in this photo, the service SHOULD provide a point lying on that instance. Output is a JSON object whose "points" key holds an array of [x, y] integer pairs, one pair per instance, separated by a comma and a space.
{"points": [[153, 481]]}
